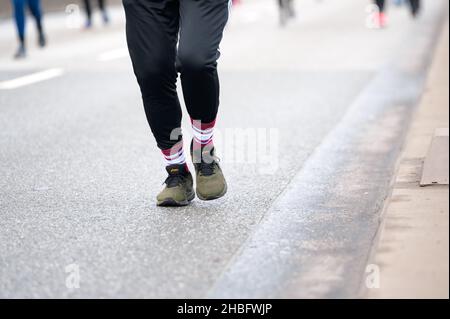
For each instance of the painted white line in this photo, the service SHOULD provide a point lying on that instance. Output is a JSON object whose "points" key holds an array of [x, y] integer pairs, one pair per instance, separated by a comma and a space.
{"points": [[113, 55], [31, 79]]}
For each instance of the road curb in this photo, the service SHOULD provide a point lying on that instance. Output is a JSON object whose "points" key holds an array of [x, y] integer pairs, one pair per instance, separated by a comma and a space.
{"points": [[411, 248], [315, 240]]}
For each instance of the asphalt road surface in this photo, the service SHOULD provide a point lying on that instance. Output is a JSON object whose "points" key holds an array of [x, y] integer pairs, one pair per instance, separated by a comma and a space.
{"points": [[79, 170]]}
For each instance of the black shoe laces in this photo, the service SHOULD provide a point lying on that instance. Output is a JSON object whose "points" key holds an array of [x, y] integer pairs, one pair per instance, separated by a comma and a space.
{"points": [[174, 180], [206, 169]]}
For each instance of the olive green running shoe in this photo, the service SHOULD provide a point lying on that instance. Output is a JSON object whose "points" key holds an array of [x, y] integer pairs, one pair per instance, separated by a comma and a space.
{"points": [[210, 181], [179, 190]]}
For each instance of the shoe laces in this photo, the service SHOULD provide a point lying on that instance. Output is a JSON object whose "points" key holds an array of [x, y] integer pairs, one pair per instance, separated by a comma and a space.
{"points": [[174, 180], [208, 169]]}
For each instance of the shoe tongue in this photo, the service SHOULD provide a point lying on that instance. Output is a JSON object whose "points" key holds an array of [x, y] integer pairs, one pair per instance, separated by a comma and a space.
{"points": [[207, 152], [209, 155], [176, 170]]}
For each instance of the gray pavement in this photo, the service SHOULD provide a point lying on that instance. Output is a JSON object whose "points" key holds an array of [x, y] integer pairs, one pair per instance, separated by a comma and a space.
{"points": [[79, 169]]}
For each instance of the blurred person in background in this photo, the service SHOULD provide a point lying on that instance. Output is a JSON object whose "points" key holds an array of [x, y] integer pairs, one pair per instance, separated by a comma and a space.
{"points": [[20, 18], [380, 18], [415, 7], [168, 37], [287, 11], [88, 9]]}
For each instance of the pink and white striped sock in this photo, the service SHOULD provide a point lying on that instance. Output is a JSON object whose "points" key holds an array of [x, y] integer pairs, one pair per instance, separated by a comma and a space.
{"points": [[175, 155], [203, 133]]}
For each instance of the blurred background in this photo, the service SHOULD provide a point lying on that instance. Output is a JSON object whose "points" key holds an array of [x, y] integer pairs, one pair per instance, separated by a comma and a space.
{"points": [[48, 5]]}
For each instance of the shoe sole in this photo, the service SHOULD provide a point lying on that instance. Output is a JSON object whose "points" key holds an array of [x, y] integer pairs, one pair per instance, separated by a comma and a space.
{"points": [[170, 202], [208, 198]]}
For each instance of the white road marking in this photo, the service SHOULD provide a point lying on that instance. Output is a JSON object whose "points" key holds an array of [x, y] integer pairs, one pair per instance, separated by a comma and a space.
{"points": [[31, 79], [113, 55]]}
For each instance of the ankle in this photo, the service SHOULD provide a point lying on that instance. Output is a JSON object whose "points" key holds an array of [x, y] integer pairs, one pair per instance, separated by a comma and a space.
{"points": [[178, 169], [175, 155]]}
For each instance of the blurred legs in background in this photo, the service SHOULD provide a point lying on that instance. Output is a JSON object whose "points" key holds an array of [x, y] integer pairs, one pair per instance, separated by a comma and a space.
{"points": [[88, 8], [380, 18], [415, 7], [381, 5], [286, 11], [20, 17]]}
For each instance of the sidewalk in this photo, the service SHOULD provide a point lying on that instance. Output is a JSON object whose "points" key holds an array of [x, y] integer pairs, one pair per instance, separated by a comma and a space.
{"points": [[413, 251]]}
